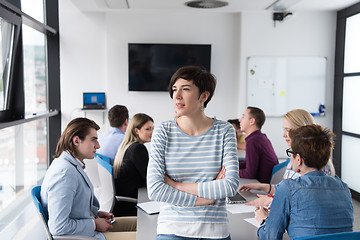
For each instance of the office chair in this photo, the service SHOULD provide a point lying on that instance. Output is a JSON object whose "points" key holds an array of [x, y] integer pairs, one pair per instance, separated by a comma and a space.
{"points": [[35, 194], [333, 236], [278, 172], [92, 171], [103, 157], [107, 195]]}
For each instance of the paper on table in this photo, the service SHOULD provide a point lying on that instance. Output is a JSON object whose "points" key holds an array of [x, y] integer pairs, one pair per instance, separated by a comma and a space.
{"points": [[151, 207], [253, 222], [239, 208]]}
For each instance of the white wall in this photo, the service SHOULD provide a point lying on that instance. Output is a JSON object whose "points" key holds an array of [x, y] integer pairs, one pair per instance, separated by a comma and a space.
{"points": [[99, 58], [219, 30], [82, 58], [94, 56]]}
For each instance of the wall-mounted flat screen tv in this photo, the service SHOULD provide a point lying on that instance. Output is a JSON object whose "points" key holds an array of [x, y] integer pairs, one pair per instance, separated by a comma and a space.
{"points": [[152, 65]]}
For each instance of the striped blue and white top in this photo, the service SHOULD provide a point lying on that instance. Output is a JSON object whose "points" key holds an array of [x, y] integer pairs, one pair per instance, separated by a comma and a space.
{"points": [[186, 158]]}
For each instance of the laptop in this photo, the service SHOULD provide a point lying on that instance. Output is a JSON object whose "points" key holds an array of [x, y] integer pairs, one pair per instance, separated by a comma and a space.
{"points": [[241, 197], [94, 100]]}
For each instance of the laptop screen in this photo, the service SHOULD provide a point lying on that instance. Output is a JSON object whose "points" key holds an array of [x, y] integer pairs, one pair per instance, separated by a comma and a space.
{"points": [[94, 100]]}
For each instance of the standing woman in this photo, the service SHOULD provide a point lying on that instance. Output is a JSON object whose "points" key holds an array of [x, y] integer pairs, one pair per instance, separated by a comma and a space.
{"points": [[131, 163], [188, 159], [67, 194]]}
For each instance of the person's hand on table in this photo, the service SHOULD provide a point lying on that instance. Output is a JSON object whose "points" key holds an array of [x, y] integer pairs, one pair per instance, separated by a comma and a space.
{"points": [[262, 201], [255, 186], [261, 214]]}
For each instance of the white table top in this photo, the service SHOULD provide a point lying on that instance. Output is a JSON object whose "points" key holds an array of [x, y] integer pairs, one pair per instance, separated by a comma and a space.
{"points": [[239, 228]]}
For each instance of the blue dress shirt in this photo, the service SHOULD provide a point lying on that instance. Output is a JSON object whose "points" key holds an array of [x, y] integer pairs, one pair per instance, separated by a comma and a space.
{"points": [[312, 204], [110, 142]]}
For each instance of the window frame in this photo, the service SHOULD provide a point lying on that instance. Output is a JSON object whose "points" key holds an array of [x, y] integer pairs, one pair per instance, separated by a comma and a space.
{"points": [[10, 10], [339, 86], [15, 115]]}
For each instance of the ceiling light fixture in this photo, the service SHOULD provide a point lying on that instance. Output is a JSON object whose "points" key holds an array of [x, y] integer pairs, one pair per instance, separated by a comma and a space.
{"points": [[206, 4]]}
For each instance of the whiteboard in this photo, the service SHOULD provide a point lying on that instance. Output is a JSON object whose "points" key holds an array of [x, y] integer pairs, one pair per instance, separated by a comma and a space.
{"points": [[280, 84]]}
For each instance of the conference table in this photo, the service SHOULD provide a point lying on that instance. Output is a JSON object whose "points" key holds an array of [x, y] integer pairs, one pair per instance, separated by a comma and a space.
{"points": [[239, 228]]}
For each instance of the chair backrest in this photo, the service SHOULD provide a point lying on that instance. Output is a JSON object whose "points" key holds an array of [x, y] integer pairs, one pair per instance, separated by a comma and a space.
{"points": [[35, 194], [92, 171], [107, 192], [278, 172], [334, 236], [103, 157]]}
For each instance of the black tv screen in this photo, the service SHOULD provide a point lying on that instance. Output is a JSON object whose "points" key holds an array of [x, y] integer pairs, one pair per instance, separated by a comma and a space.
{"points": [[152, 65]]}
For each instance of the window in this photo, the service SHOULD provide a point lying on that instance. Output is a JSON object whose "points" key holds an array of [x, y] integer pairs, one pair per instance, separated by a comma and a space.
{"points": [[350, 162], [35, 80], [352, 47], [29, 55], [346, 97], [23, 160], [351, 109], [34, 8], [6, 49]]}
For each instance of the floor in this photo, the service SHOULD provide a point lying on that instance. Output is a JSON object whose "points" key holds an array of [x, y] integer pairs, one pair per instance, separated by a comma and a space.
{"points": [[33, 230]]}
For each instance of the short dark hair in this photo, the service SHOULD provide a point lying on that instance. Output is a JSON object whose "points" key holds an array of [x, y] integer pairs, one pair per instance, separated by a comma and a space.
{"points": [[77, 127], [314, 144], [236, 122], [201, 78], [258, 115], [117, 115]]}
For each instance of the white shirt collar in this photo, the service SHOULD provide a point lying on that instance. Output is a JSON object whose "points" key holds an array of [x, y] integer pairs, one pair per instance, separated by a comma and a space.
{"points": [[81, 163]]}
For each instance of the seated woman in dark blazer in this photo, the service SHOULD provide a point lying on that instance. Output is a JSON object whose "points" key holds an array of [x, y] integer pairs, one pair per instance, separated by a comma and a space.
{"points": [[131, 161], [314, 203]]}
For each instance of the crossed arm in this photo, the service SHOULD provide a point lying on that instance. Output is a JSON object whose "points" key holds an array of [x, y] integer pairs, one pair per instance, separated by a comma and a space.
{"points": [[162, 188], [192, 188]]}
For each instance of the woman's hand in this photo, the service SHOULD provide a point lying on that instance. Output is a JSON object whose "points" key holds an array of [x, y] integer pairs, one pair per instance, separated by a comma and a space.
{"points": [[203, 201], [255, 186], [102, 225], [170, 182], [221, 174], [190, 188], [262, 201], [261, 214]]}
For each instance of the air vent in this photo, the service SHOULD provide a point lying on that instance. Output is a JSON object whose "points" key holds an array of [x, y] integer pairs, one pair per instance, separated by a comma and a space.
{"points": [[206, 4]]}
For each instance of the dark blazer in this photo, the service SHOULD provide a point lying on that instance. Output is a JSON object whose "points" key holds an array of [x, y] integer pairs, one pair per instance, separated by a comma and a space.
{"points": [[132, 176]]}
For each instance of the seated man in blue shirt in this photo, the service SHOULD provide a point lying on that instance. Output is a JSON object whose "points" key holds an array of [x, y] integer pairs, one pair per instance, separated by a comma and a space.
{"points": [[110, 141]]}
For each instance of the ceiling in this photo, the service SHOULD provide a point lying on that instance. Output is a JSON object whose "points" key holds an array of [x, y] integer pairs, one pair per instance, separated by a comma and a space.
{"points": [[233, 6]]}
